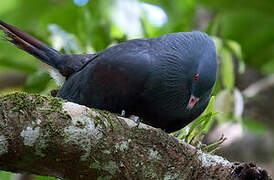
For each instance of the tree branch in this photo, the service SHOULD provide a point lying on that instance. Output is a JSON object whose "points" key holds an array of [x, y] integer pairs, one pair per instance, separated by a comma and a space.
{"points": [[259, 86], [47, 136]]}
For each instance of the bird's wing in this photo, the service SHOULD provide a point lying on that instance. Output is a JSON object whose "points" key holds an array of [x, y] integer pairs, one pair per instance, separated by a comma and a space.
{"points": [[128, 62], [113, 80]]}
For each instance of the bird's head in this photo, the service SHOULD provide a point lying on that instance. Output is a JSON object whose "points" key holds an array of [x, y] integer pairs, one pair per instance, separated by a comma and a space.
{"points": [[202, 77], [184, 73]]}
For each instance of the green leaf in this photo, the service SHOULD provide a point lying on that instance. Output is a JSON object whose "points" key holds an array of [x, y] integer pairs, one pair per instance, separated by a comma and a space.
{"points": [[251, 24], [210, 106], [62, 39], [5, 175], [211, 148], [201, 125], [218, 44], [236, 48], [237, 51], [202, 122], [94, 25], [227, 69]]}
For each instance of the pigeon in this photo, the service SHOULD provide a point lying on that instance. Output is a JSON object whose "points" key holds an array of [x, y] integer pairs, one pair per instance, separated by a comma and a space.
{"points": [[166, 81]]}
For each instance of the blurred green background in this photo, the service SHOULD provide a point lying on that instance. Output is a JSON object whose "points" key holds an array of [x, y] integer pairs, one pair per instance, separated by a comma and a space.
{"points": [[242, 31]]}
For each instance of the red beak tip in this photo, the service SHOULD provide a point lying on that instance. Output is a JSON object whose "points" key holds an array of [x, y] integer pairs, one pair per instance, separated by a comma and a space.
{"points": [[192, 101]]}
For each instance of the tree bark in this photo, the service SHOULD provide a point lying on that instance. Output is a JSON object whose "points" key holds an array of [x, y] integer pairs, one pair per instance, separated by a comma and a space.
{"points": [[48, 136]]}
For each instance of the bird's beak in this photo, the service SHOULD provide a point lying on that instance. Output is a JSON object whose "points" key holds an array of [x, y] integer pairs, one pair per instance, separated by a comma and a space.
{"points": [[192, 101]]}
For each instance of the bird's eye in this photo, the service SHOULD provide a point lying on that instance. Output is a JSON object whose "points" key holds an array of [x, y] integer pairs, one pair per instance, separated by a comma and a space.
{"points": [[196, 76]]}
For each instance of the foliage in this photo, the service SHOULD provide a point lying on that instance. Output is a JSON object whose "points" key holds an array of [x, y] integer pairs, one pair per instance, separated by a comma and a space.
{"points": [[199, 126], [251, 24], [5, 175], [9, 176]]}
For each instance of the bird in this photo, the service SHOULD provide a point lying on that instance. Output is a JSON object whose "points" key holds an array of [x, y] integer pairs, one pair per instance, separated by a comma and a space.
{"points": [[167, 81]]}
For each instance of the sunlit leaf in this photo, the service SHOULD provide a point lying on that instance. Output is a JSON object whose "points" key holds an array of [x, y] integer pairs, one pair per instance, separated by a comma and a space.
{"points": [[116, 32], [62, 40], [5, 175], [129, 18], [94, 25], [218, 43], [227, 69], [237, 50], [201, 122]]}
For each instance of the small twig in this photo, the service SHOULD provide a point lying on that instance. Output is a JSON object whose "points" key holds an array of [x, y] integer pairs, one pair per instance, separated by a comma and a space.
{"points": [[259, 86]]}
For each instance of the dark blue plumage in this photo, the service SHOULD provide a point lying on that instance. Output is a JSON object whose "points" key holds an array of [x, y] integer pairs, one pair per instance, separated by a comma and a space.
{"points": [[167, 81]]}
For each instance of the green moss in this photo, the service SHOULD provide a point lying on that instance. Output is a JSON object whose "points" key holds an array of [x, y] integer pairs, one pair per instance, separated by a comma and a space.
{"points": [[22, 102], [149, 172], [104, 178], [97, 121], [104, 116], [95, 165], [109, 167], [104, 119], [107, 151], [18, 100], [50, 125]]}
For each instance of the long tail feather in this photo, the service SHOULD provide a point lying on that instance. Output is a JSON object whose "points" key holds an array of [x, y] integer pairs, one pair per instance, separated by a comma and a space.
{"points": [[31, 45]]}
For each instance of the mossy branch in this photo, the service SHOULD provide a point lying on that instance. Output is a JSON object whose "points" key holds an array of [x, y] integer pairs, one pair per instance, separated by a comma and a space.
{"points": [[48, 136]]}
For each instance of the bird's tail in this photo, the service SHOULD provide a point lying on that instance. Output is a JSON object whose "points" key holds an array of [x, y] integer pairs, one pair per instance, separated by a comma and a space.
{"points": [[31, 45]]}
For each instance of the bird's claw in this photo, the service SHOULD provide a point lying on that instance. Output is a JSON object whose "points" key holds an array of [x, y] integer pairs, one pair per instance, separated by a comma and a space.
{"points": [[136, 119], [123, 113]]}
